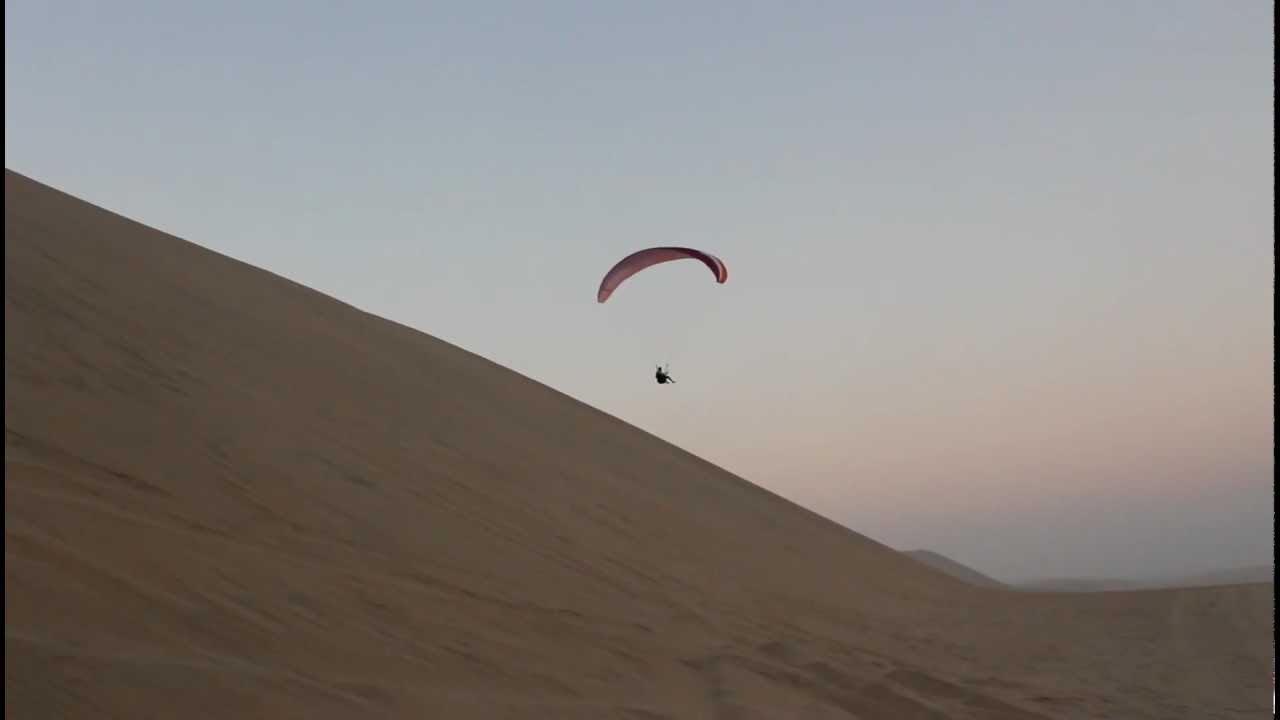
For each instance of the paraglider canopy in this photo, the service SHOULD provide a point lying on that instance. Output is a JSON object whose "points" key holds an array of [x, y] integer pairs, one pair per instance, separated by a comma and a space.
{"points": [[642, 259]]}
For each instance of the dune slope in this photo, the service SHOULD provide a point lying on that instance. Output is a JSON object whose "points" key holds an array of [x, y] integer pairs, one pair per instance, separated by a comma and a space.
{"points": [[230, 496], [955, 569]]}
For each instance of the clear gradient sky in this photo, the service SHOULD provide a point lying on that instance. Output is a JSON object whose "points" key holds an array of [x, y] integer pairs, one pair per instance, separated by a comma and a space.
{"points": [[1002, 273]]}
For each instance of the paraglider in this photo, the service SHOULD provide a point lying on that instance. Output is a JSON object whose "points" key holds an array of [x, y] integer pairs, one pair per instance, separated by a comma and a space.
{"points": [[663, 375], [642, 259]]}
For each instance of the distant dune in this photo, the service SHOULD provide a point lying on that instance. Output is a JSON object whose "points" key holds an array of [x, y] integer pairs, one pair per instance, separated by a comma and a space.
{"points": [[953, 568], [1082, 585], [1231, 576], [230, 496], [1244, 575]]}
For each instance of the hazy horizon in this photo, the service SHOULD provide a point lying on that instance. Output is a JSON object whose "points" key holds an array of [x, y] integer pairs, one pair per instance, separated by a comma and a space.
{"points": [[1001, 282]]}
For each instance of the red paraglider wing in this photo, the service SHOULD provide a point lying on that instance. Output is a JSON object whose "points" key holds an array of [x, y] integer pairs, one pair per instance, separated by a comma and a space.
{"points": [[637, 261]]}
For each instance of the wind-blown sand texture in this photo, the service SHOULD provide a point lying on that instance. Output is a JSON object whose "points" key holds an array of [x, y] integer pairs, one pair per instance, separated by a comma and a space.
{"points": [[229, 496]]}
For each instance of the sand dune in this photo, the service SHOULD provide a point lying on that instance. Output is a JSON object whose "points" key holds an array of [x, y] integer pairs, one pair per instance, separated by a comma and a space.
{"points": [[1243, 575], [955, 569], [229, 496]]}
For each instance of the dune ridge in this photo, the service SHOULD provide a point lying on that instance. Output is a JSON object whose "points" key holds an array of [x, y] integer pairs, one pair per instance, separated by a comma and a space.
{"points": [[230, 495], [955, 569]]}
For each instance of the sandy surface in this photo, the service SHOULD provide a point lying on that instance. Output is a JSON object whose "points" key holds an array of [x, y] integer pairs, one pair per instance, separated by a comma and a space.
{"points": [[228, 496]]}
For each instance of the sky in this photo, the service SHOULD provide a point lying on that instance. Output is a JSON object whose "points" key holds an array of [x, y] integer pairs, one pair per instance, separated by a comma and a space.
{"points": [[1001, 273]]}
